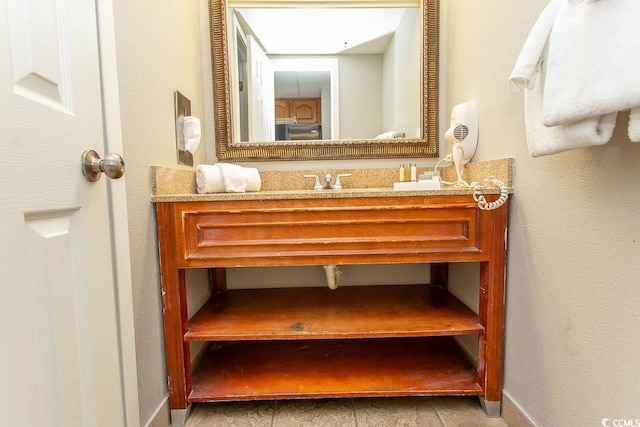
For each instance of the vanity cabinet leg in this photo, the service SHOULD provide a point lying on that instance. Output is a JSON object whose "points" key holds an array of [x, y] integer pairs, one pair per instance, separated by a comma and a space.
{"points": [[174, 306], [217, 280], [439, 274], [491, 310], [491, 407], [179, 416]]}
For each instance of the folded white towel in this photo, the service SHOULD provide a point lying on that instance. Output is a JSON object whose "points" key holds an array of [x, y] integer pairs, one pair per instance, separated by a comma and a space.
{"points": [[634, 125], [543, 140], [227, 177], [523, 72], [579, 68], [392, 134], [594, 60], [209, 179]]}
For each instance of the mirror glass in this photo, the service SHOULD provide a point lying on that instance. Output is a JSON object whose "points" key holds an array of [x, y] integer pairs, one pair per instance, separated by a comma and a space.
{"points": [[307, 83]]}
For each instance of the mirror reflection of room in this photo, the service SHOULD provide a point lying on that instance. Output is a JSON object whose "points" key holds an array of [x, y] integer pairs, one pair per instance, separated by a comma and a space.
{"points": [[342, 73], [299, 100]]}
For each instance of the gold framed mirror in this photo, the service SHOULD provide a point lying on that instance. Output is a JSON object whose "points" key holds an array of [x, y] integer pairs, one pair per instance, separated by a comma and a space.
{"points": [[229, 148]]}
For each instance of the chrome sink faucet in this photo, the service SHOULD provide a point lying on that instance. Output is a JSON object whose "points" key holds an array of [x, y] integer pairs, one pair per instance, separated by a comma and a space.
{"points": [[337, 185]]}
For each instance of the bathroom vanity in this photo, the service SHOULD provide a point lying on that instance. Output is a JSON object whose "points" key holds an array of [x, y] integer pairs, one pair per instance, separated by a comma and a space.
{"points": [[395, 340]]}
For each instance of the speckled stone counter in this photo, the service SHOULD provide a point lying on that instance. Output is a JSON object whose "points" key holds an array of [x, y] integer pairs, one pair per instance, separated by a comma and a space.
{"points": [[176, 185]]}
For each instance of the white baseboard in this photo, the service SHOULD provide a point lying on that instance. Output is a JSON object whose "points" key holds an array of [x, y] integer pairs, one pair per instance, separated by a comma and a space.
{"points": [[161, 416], [513, 414]]}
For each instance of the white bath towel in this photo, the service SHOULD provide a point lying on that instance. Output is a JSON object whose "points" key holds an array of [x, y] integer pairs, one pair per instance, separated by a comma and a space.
{"points": [[594, 60], [209, 179], [545, 140], [526, 65], [227, 177], [529, 75], [586, 74], [390, 135], [634, 125]]}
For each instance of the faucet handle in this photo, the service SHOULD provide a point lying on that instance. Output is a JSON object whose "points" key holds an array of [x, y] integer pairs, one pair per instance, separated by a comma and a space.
{"points": [[317, 185], [338, 184]]}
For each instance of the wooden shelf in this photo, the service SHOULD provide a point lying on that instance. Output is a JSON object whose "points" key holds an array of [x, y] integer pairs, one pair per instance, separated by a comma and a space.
{"points": [[258, 370], [321, 313]]}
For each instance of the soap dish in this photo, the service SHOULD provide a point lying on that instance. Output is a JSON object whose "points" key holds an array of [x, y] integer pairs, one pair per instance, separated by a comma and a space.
{"points": [[417, 185]]}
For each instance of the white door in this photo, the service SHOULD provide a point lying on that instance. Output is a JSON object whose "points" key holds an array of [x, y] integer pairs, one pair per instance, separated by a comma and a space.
{"points": [[262, 122], [59, 351]]}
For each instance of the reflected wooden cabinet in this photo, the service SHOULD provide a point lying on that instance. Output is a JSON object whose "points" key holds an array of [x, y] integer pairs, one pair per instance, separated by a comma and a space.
{"points": [[282, 109], [393, 340], [304, 110]]}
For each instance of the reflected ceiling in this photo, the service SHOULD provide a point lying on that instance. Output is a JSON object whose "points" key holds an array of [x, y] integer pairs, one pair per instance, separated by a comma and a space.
{"points": [[311, 31]]}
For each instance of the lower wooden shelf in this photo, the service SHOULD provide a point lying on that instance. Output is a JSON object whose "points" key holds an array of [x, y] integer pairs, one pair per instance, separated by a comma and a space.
{"points": [[322, 313], [260, 370]]}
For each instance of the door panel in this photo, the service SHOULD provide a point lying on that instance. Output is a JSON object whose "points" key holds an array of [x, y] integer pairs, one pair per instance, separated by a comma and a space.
{"points": [[59, 361], [55, 294], [39, 49], [261, 93]]}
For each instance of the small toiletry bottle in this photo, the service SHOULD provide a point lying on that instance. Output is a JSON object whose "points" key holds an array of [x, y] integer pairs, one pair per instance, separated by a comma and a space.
{"points": [[407, 172], [414, 175], [401, 172]]}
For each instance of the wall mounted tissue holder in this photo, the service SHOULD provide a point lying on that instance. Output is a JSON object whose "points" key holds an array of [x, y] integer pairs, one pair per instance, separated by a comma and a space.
{"points": [[185, 124]]}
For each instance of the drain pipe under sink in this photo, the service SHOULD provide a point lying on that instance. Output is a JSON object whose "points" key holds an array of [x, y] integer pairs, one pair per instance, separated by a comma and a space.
{"points": [[333, 275]]}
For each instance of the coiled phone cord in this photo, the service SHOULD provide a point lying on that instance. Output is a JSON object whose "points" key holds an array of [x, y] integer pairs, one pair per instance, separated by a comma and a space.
{"points": [[482, 201], [478, 197]]}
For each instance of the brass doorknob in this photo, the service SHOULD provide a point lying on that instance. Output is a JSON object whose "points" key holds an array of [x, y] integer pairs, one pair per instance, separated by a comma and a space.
{"points": [[93, 166]]}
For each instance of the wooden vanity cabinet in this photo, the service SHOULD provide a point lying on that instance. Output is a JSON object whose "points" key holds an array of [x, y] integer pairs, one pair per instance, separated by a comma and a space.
{"points": [[395, 340]]}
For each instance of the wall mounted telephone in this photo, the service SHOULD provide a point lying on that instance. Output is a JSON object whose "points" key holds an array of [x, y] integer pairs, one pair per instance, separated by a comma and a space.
{"points": [[463, 136]]}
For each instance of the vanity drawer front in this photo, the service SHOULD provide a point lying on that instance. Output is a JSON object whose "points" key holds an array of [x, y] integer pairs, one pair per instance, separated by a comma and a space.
{"points": [[325, 233]]}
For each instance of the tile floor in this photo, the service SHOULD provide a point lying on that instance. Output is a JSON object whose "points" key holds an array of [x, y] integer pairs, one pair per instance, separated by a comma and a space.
{"points": [[365, 412]]}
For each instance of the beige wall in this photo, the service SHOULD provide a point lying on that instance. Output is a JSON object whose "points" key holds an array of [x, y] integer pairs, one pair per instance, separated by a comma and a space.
{"points": [[158, 52], [572, 335], [401, 77], [572, 340], [360, 82]]}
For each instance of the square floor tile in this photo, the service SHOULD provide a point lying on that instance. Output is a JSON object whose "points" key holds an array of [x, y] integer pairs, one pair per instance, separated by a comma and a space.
{"points": [[463, 412], [396, 412], [315, 413], [232, 414]]}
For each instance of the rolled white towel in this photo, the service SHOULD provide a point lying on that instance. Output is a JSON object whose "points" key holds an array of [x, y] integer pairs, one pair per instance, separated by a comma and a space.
{"points": [[233, 177], [253, 179], [209, 179], [227, 177]]}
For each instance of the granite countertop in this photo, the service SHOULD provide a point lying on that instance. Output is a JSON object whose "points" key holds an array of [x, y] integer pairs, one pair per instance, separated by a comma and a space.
{"points": [[178, 185], [318, 194]]}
